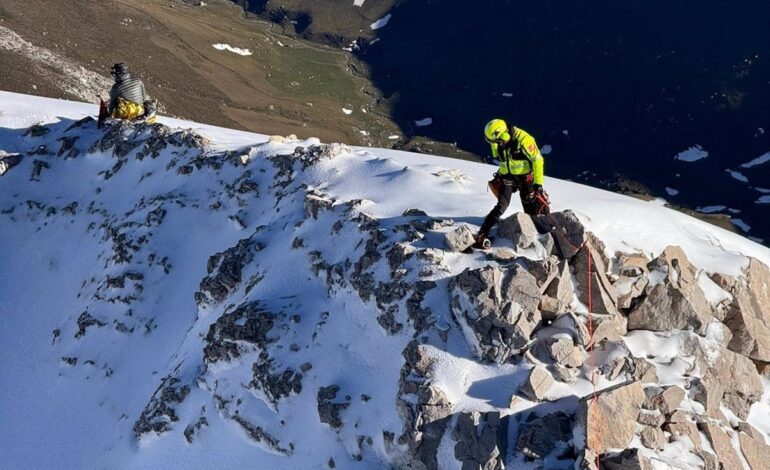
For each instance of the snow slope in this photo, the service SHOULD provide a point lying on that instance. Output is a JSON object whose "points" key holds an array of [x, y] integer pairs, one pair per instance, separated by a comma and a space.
{"points": [[102, 255]]}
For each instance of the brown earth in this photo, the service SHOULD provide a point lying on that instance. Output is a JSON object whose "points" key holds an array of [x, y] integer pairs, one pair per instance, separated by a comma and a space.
{"points": [[286, 86]]}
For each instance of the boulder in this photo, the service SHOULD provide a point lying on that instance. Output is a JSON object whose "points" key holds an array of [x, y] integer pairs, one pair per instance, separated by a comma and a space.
{"points": [[603, 298], [632, 264], [756, 451], [497, 308], [481, 440], [565, 352], [731, 379], [673, 298], [329, 407], [679, 425], [460, 238], [536, 387], [748, 315], [561, 289], [666, 401], [629, 459], [616, 409], [651, 418], [520, 229], [540, 437], [721, 444], [629, 289], [565, 228], [653, 438]]}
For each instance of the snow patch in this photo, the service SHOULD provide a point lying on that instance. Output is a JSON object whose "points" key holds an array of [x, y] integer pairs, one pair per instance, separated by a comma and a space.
{"points": [[229, 48], [508, 95], [710, 209], [738, 175], [671, 191], [381, 23], [545, 149], [757, 161], [692, 154], [741, 224], [347, 111], [763, 199], [358, 3], [424, 122]]}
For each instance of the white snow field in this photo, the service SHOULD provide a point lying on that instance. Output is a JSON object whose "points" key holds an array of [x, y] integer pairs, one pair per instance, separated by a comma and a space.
{"points": [[185, 304]]}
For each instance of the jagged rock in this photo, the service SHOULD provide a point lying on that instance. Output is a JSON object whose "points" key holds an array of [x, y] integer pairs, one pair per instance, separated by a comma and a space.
{"points": [[225, 269], [629, 289], [498, 306], [536, 387], [629, 459], [460, 238], [679, 425], [617, 407], [414, 213], [756, 451], [329, 410], [673, 299], [566, 230], [159, 413], [748, 316], [763, 368], [561, 289], [643, 371], [541, 437], [250, 323], [545, 271], [666, 401], [315, 202], [8, 161], [433, 404], [274, 386], [632, 265], [85, 321], [193, 429], [481, 440], [260, 435], [399, 254], [610, 327], [651, 418], [37, 169], [731, 380], [721, 444], [603, 298], [653, 438], [520, 229], [37, 130], [565, 352]]}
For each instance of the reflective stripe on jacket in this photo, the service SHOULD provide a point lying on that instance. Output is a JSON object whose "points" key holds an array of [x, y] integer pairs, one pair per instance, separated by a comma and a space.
{"points": [[520, 156]]}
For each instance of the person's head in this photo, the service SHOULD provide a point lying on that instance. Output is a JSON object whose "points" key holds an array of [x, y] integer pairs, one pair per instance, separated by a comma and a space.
{"points": [[119, 70], [496, 132]]}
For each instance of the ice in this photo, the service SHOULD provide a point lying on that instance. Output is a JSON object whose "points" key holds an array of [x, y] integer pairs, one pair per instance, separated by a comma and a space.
{"points": [[692, 154]]}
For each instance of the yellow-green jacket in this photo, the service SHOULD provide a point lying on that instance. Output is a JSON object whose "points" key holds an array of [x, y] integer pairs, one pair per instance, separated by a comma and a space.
{"points": [[519, 156]]}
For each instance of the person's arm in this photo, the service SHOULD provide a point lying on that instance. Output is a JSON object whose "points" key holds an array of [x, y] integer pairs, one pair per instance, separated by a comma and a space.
{"points": [[529, 147]]}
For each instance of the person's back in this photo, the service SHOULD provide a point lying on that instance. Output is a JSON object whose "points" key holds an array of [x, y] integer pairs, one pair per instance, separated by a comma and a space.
{"points": [[128, 97]]}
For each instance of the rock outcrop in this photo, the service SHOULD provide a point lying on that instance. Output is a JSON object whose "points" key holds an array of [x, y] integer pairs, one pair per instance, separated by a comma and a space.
{"points": [[617, 408]]}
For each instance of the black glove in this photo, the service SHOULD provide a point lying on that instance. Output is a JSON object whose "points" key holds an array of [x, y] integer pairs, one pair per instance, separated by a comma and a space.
{"points": [[538, 188]]}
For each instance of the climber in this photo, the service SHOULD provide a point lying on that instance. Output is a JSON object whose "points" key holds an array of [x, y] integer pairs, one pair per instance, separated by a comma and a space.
{"points": [[128, 99], [521, 169]]}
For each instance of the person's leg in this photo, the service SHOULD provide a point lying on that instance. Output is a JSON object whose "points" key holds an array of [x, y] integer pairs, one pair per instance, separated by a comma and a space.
{"points": [[494, 215]]}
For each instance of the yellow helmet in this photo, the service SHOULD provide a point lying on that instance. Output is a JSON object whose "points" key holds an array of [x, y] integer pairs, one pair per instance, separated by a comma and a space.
{"points": [[496, 131]]}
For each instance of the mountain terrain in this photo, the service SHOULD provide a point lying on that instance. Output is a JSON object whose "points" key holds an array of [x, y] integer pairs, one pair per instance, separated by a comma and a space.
{"points": [[179, 295]]}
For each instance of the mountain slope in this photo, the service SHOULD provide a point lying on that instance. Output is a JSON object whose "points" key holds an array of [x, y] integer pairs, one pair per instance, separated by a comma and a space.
{"points": [[206, 298]]}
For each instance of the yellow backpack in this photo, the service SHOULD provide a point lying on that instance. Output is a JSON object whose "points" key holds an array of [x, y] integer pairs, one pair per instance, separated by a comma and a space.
{"points": [[127, 110]]}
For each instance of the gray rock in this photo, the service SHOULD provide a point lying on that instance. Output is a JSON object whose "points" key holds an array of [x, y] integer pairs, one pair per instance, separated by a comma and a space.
{"points": [[755, 450], [250, 323], [329, 408], [225, 270], [629, 459], [603, 298], [653, 438], [629, 289], [653, 419], [617, 407], [275, 385], [721, 444], [520, 229], [541, 437], [159, 414], [460, 238], [666, 401], [679, 425], [748, 315], [732, 380], [566, 230], [499, 306], [481, 440], [566, 353], [258, 434], [536, 387], [8, 161], [675, 302], [316, 201]]}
